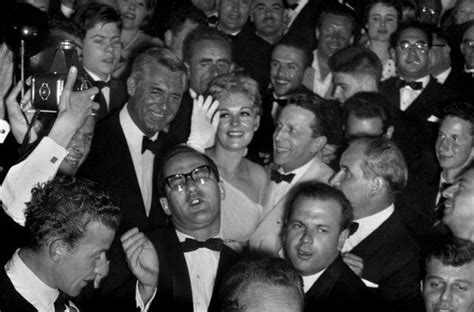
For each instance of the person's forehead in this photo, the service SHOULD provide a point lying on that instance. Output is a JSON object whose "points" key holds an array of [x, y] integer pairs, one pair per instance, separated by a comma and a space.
{"points": [[183, 163], [267, 2], [456, 124], [316, 208], [283, 52], [296, 114], [469, 33], [102, 28], [259, 296], [88, 126], [330, 20], [413, 34], [348, 78], [354, 153], [375, 123], [208, 48], [157, 74], [465, 272], [380, 7]]}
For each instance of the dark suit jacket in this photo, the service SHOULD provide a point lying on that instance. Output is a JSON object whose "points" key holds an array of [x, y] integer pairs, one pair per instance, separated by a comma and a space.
{"points": [[10, 299], [391, 260], [304, 25], [338, 289], [174, 286], [118, 93], [110, 163]]}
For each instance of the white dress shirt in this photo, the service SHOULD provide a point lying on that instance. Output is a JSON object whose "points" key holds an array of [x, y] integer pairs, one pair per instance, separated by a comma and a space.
{"points": [[367, 225], [309, 280], [105, 90], [143, 163], [443, 75], [408, 95], [40, 166], [321, 86], [202, 266], [29, 286], [4, 129]]}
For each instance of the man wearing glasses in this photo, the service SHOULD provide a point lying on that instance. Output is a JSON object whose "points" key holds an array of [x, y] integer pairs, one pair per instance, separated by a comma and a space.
{"points": [[182, 265], [416, 98]]}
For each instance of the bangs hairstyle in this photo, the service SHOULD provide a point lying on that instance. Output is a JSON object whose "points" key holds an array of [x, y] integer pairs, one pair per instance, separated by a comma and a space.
{"points": [[94, 13]]}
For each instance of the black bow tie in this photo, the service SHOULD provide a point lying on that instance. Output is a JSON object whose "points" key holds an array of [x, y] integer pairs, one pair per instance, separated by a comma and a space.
{"points": [[152, 146], [102, 84], [191, 244], [415, 85], [353, 227], [62, 302], [212, 20], [278, 177], [280, 102]]}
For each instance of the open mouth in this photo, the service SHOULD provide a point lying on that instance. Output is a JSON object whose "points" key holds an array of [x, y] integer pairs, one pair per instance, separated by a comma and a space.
{"points": [[303, 254], [235, 134]]}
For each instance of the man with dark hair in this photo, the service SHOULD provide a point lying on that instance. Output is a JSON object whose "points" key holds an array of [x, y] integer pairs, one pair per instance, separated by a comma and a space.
{"points": [[314, 208], [354, 69], [262, 284], [449, 280], [373, 172], [233, 16], [180, 23], [71, 224], [454, 148], [416, 99], [367, 114], [181, 265], [100, 27], [289, 60], [299, 137], [334, 31]]}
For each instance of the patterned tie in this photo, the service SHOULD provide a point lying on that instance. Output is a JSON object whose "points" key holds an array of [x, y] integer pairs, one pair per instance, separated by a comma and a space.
{"points": [[191, 244], [278, 177]]}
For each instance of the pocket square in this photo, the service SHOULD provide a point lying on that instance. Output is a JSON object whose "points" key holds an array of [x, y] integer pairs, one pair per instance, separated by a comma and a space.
{"points": [[369, 283], [433, 118]]}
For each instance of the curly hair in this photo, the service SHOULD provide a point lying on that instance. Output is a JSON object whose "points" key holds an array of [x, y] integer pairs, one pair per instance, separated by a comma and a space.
{"points": [[62, 208]]}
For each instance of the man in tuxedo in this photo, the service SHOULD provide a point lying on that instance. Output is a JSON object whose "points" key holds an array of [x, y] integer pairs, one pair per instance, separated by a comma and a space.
{"points": [[367, 114], [316, 226], [381, 251], [71, 223], [354, 69], [233, 15], [334, 31], [416, 100], [289, 60], [458, 214], [100, 27], [449, 280], [181, 266], [454, 148], [263, 284], [299, 137]]}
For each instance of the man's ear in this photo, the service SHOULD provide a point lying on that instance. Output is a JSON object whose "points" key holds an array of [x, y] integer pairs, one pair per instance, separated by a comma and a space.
{"points": [[369, 84], [57, 249], [168, 38], [342, 239], [222, 190], [131, 86], [376, 186], [318, 143], [165, 206]]}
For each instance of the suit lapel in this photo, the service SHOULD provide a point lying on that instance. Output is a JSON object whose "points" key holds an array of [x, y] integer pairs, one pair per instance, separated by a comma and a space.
{"points": [[422, 107], [323, 286]]}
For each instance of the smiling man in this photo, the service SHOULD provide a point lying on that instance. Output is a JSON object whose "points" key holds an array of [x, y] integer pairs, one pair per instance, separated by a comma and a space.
{"points": [[299, 136], [71, 223]]}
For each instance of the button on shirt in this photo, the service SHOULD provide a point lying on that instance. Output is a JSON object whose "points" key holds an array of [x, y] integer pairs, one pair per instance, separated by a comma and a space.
{"points": [[408, 95], [143, 163], [366, 227], [29, 286], [202, 266]]}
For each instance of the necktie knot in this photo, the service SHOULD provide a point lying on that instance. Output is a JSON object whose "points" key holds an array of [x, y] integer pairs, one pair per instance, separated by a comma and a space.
{"points": [[415, 85], [102, 84], [280, 102], [191, 244], [278, 177]]}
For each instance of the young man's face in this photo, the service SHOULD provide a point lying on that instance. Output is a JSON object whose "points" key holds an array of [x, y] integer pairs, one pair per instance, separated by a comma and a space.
{"points": [[80, 265], [334, 34], [287, 69], [313, 235], [101, 49], [233, 14], [449, 288]]}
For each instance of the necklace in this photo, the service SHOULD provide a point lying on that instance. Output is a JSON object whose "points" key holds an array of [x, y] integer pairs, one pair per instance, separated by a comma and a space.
{"points": [[129, 44]]}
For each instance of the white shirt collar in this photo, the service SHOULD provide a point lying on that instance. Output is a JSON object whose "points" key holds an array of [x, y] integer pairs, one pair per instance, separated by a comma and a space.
{"points": [[309, 280], [367, 225], [300, 170], [444, 75], [30, 286], [182, 237], [424, 80], [96, 77], [468, 70]]}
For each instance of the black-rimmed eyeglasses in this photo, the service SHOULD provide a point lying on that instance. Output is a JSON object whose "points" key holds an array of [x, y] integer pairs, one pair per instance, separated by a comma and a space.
{"points": [[199, 175]]}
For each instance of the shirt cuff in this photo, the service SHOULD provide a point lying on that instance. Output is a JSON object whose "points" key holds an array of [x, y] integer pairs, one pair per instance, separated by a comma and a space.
{"points": [[4, 130], [138, 299]]}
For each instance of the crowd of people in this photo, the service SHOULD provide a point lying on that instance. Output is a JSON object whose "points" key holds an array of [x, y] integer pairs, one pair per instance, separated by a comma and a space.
{"points": [[237, 155]]}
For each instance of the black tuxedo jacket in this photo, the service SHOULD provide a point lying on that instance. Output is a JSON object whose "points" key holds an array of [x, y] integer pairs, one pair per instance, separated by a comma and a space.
{"points": [[338, 289], [392, 260], [174, 286], [10, 299], [118, 94], [304, 25]]}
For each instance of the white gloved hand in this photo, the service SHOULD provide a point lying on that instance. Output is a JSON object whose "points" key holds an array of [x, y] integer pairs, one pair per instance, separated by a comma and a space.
{"points": [[204, 122]]}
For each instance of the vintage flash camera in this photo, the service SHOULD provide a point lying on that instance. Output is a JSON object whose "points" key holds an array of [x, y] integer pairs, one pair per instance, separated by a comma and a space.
{"points": [[46, 89]]}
